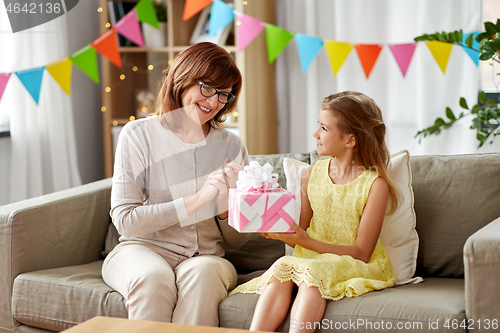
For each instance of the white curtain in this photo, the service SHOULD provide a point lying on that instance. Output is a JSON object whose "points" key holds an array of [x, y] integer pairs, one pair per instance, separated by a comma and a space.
{"points": [[40, 155], [408, 103]]}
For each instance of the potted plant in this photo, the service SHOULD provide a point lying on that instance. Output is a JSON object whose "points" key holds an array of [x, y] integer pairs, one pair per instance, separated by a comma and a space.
{"points": [[485, 113], [157, 37]]}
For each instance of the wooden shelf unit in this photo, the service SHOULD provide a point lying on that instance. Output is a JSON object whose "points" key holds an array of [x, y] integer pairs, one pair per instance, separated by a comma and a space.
{"points": [[257, 104]]}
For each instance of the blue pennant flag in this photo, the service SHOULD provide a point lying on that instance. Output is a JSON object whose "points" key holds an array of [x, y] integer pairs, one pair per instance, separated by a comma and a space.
{"points": [[221, 15], [309, 48], [472, 53], [32, 81]]}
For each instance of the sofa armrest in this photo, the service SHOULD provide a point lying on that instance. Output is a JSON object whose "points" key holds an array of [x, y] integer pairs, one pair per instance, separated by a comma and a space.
{"points": [[482, 268], [55, 230]]}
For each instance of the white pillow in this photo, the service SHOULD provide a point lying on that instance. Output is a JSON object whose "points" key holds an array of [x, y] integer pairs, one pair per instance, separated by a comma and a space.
{"points": [[398, 234]]}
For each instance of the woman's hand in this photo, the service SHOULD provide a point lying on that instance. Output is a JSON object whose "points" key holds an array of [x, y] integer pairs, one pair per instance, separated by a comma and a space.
{"points": [[298, 237], [223, 179]]}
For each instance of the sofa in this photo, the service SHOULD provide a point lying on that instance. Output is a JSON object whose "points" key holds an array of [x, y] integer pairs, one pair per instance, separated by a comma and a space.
{"points": [[52, 247]]}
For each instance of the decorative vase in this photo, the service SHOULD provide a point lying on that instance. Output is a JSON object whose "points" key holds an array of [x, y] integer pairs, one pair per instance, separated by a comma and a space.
{"points": [[155, 37]]}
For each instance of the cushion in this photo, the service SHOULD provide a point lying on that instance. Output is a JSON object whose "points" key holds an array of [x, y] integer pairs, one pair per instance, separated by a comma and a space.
{"points": [[59, 298], [424, 307], [398, 234], [455, 195]]}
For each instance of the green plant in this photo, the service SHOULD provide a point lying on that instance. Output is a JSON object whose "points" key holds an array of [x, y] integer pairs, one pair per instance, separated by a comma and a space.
{"points": [[484, 113], [161, 10]]}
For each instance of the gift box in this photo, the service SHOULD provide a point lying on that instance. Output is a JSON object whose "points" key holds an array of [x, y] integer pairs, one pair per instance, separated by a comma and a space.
{"points": [[257, 205]]}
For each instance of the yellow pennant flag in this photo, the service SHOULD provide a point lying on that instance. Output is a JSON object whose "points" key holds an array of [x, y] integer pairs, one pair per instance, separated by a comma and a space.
{"points": [[61, 72], [441, 52], [337, 53]]}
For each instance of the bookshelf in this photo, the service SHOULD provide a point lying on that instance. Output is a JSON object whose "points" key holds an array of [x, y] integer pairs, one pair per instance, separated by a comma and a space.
{"points": [[256, 109]]}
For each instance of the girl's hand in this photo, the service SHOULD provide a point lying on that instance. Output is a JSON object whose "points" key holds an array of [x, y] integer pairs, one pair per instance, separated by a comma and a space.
{"points": [[299, 237]]}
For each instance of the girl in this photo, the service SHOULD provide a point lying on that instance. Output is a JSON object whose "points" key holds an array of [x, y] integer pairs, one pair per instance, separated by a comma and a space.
{"points": [[343, 204]]}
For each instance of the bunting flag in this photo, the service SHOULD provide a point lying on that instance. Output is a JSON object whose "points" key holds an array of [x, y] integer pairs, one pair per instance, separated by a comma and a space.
{"points": [[368, 55], [441, 53], [61, 72], [337, 53], [276, 39], [32, 81], [107, 45], [247, 28], [4, 78], [146, 13], [191, 7], [130, 28], [403, 53], [86, 60], [473, 54], [308, 47], [220, 16]]}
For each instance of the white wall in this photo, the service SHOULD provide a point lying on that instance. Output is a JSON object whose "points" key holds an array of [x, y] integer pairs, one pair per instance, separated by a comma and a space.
{"points": [[83, 28]]}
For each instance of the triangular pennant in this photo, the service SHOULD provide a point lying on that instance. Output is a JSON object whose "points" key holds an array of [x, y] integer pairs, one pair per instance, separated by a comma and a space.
{"points": [[61, 72], [86, 60], [247, 28], [473, 54], [191, 7], [276, 39], [146, 13], [441, 53], [107, 45], [308, 48], [129, 27], [337, 53], [32, 80], [368, 55], [403, 53], [220, 16], [4, 78]]}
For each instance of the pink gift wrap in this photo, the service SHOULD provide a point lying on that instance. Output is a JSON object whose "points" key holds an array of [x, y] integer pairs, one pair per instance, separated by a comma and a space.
{"points": [[261, 211]]}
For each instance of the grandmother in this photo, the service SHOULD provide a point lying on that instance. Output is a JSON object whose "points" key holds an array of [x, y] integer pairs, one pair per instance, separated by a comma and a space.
{"points": [[169, 196]]}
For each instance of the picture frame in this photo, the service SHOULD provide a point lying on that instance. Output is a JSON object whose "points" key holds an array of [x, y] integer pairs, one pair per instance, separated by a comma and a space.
{"points": [[200, 33]]}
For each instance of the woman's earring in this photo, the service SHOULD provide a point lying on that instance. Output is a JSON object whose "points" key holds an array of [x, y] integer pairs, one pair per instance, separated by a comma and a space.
{"points": [[346, 149]]}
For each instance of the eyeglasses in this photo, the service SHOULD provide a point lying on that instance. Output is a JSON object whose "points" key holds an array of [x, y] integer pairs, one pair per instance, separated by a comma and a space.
{"points": [[208, 91]]}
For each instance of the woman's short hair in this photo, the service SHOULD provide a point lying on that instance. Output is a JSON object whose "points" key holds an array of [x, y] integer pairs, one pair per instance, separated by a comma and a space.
{"points": [[206, 62]]}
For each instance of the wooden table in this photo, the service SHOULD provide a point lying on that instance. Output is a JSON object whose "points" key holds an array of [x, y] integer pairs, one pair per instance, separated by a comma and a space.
{"points": [[120, 325]]}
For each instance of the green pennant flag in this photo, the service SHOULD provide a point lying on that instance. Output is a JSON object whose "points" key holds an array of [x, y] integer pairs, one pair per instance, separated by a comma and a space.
{"points": [[86, 60], [146, 13], [276, 39]]}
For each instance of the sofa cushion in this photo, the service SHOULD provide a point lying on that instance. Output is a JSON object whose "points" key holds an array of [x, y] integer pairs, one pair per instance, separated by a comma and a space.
{"points": [[455, 195], [406, 308], [59, 298], [398, 234]]}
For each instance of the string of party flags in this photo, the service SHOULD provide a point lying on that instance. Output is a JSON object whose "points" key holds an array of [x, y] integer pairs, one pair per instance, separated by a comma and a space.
{"points": [[308, 47], [247, 29], [86, 57]]}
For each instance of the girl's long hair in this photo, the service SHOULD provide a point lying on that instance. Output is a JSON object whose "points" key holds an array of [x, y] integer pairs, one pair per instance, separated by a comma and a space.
{"points": [[360, 115], [206, 62]]}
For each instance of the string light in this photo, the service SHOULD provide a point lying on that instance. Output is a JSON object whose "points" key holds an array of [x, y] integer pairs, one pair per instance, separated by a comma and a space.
{"points": [[238, 23], [103, 109], [245, 3], [135, 68], [150, 67], [99, 10], [122, 77], [108, 89], [115, 123], [107, 25], [235, 114], [131, 118], [170, 62]]}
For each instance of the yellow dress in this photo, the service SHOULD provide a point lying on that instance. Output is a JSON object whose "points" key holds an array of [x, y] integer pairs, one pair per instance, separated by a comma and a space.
{"points": [[337, 211]]}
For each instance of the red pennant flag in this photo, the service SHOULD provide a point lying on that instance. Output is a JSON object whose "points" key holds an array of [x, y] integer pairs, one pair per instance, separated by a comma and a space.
{"points": [[368, 55], [107, 45], [191, 7]]}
